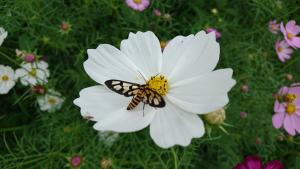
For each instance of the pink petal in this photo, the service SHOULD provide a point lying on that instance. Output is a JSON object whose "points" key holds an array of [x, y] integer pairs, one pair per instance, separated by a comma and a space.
{"points": [[277, 120], [290, 25], [286, 56], [296, 119], [295, 30], [296, 42], [278, 107], [253, 162], [296, 90], [288, 125], [281, 58], [240, 166], [288, 51], [145, 3], [283, 90], [275, 164], [284, 44], [282, 29], [298, 110]]}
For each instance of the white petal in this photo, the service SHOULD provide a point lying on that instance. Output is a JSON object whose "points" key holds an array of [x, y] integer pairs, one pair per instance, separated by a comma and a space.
{"points": [[174, 126], [143, 48], [42, 65], [41, 76], [20, 72], [107, 62], [6, 86], [10, 84], [190, 56], [109, 110], [9, 72], [3, 35], [202, 94], [43, 103]]}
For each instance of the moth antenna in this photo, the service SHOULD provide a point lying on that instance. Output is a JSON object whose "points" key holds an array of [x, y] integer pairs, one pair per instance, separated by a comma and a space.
{"points": [[143, 76], [157, 74]]}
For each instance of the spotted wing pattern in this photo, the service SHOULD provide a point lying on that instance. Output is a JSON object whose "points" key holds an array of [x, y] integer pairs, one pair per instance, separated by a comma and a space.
{"points": [[122, 87], [153, 98]]}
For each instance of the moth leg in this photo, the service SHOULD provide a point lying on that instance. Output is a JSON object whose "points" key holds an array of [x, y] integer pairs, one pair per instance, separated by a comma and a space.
{"points": [[144, 109]]}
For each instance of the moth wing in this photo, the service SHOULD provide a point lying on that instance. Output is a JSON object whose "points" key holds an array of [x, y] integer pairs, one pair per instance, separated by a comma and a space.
{"points": [[153, 98], [122, 87]]}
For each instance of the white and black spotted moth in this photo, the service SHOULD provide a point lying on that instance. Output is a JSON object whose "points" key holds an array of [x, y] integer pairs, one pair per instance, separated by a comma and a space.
{"points": [[140, 93]]}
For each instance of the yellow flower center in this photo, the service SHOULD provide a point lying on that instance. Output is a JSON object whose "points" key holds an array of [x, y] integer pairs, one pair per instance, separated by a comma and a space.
{"points": [[290, 35], [51, 101], [33, 72], [158, 84], [279, 49], [5, 78], [290, 108], [137, 1], [290, 97], [272, 27]]}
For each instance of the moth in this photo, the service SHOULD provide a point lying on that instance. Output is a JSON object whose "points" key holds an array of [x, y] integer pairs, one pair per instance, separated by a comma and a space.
{"points": [[140, 93]]}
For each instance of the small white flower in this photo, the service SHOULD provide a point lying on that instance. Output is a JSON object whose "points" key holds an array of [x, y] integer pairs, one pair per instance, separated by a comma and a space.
{"points": [[3, 35], [187, 81], [108, 137], [6, 79], [51, 101], [33, 73]]}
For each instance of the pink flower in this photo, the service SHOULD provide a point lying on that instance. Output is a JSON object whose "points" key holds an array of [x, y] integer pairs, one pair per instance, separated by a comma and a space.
{"points": [[274, 27], [283, 50], [250, 162], [38, 89], [287, 110], [76, 161], [29, 58], [254, 162], [157, 12], [290, 32], [275, 164], [243, 115], [138, 5], [218, 34]]}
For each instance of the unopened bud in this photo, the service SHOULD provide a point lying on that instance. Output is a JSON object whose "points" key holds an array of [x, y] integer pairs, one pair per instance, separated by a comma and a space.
{"points": [[289, 77], [245, 88], [29, 58], [38, 89], [216, 117], [106, 163]]}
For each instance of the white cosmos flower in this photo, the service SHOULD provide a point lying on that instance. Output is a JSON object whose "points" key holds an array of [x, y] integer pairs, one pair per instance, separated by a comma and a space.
{"points": [[33, 73], [3, 35], [7, 80], [187, 63], [51, 101]]}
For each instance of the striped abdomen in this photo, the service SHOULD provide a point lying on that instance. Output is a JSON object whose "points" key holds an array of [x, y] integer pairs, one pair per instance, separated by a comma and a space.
{"points": [[136, 99]]}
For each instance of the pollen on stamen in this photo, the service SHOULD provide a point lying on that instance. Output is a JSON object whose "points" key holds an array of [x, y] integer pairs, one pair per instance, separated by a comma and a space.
{"points": [[33, 72], [290, 97], [158, 84], [290, 109], [290, 35], [5, 78]]}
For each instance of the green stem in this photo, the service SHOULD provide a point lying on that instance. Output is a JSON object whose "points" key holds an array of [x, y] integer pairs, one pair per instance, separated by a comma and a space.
{"points": [[9, 58], [175, 158]]}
